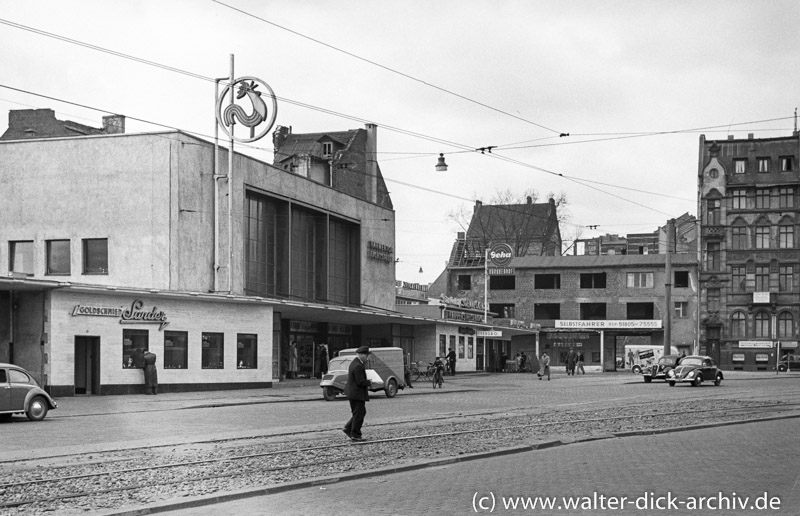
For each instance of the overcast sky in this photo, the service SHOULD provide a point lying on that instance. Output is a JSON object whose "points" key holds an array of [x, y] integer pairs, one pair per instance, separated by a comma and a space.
{"points": [[441, 76]]}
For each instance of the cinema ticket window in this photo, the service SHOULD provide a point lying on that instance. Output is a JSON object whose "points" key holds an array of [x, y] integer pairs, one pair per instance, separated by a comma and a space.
{"points": [[134, 344], [176, 349], [246, 351], [213, 355]]}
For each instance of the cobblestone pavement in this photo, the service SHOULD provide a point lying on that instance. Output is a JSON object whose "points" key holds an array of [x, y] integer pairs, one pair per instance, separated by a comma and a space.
{"points": [[760, 461]]}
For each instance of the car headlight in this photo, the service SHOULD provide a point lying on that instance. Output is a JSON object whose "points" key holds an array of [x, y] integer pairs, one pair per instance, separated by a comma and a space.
{"points": [[671, 373]]}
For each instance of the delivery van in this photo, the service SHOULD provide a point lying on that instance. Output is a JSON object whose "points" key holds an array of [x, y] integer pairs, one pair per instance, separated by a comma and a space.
{"points": [[637, 356], [384, 369]]}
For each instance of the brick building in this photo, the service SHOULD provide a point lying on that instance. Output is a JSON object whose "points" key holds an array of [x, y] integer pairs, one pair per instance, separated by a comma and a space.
{"points": [[750, 270]]}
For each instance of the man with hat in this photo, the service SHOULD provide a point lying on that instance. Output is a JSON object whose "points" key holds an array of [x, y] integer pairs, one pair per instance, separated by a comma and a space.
{"points": [[357, 392]]}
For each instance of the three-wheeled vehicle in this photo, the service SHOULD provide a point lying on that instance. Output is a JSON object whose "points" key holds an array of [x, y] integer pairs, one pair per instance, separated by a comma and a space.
{"points": [[384, 368]]}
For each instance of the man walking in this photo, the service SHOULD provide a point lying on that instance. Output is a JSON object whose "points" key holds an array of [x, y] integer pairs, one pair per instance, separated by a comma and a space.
{"points": [[357, 391], [572, 360], [451, 358]]}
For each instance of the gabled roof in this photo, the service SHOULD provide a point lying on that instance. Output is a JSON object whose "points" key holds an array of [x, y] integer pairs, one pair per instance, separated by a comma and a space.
{"points": [[308, 143], [497, 222]]}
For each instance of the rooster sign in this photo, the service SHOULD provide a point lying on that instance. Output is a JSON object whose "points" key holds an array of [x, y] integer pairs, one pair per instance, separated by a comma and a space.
{"points": [[247, 109]]}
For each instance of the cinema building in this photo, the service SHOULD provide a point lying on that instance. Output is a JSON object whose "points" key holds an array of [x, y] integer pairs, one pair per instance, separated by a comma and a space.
{"points": [[115, 243]]}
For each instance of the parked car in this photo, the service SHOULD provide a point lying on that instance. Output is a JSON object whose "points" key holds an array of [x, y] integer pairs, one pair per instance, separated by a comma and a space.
{"points": [[695, 369], [660, 369], [20, 394], [789, 363], [384, 369]]}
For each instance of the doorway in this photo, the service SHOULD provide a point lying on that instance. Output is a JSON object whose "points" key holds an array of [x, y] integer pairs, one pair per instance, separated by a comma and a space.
{"points": [[87, 365]]}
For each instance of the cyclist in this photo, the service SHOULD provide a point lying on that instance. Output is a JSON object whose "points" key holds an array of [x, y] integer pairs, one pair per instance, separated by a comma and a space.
{"points": [[438, 375]]}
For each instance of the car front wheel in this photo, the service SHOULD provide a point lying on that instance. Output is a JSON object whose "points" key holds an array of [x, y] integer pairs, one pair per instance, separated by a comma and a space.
{"points": [[718, 379], [697, 380], [636, 369], [37, 410], [329, 393]]}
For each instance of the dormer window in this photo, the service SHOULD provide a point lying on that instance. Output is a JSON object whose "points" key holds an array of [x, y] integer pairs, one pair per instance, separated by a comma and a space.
{"points": [[327, 149]]}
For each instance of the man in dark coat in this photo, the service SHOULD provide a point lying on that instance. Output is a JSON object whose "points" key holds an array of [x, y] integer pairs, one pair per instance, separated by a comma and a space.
{"points": [[150, 373], [572, 360], [451, 358], [357, 391]]}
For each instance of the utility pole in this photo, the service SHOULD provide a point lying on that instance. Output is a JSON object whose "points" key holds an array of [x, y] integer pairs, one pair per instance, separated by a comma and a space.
{"points": [[668, 288]]}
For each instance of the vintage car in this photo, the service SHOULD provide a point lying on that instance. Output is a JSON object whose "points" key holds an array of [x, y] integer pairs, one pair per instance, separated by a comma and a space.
{"points": [[19, 393], [695, 369], [660, 369], [789, 363], [384, 369]]}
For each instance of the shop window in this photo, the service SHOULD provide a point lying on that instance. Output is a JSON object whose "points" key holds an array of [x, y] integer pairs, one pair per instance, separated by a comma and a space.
{"points": [[176, 350], [738, 325], [640, 280], [762, 324], [134, 344], [546, 311], [58, 257], [502, 282], [681, 279], [593, 280], [640, 310], [452, 345], [213, 356], [681, 309], [464, 282], [547, 281], [593, 311], [461, 346], [246, 351], [95, 256], [20, 257], [442, 345], [470, 348]]}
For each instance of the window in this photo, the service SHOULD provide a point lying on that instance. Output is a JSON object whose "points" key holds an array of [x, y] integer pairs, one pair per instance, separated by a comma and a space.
{"points": [[762, 198], [712, 301], [740, 166], [739, 199], [593, 311], [785, 278], [343, 242], [502, 282], [712, 256], [785, 325], [464, 282], [681, 309], [134, 344], [738, 325], [95, 256], [593, 280], [213, 351], [503, 310], [763, 165], [739, 237], [640, 280], [786, 164], [246, 351], [785, 237], [327, 149], [681, 279], [762, 279], [20, 257], [58, 257], [762, 324], [307, 254], [442, 345], [176, 350], [738, 283], [762, 237], [547, 281], [714, 211], [546, 311], [461, 346], [786, 197], [470, 348], [640, 310]]}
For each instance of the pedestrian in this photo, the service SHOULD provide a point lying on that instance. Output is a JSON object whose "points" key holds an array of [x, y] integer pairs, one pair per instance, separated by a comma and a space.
{"points": [[503, 359], [451, 359], [516, 362], [357, 391], [572, 359], [150, 373], [322, 359], [544, 366], [292, 370], [580, 363], [523, 361], [407, 376]]}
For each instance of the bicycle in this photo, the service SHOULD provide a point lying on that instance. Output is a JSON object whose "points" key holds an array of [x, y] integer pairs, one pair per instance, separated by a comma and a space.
{"points": [[436, 375], [415, 371]]}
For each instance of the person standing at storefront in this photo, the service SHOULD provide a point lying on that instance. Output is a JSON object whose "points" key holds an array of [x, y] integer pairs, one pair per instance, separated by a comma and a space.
{"points": [[544, 366], [357, 391], [580, 363], [150, 373], [322, 360], [292, 369], [451, 358]]}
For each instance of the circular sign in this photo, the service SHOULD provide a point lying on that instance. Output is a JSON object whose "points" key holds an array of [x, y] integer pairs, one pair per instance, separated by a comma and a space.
{"points": [[501, 254], [252, 113]]}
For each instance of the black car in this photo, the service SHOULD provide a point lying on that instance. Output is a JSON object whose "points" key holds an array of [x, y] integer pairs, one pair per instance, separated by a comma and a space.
{"points": [[660, 369], [789, 363], [695, 369]]}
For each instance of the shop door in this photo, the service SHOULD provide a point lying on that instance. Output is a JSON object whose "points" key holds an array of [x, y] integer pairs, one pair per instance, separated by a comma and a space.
{"points": [[87, 365]]}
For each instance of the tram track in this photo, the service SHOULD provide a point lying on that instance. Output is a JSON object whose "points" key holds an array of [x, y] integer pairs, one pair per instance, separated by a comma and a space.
{"points": [[162, 474]]}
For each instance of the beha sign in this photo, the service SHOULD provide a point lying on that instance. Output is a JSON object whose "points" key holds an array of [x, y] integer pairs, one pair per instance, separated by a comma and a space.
{"points": [[133, 315], [501, 254]]}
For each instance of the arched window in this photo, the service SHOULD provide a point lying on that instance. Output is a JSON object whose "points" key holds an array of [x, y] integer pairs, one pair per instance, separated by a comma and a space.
{"points": [[785, 325], [762, 324], [738, 325]]}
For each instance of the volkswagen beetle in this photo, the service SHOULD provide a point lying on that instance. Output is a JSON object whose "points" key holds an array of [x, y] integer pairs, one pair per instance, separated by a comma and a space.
{"points": [[19, 393], [661, 369], [695, 369]]}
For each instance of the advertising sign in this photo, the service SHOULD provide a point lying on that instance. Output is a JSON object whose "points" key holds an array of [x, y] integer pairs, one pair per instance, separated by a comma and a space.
{"points": [[501, 254]]}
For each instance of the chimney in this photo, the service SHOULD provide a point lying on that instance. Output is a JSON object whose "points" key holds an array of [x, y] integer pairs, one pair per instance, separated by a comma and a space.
{"points": [[478, 204], [372, 162], [114, 124], [461, 235], [279, 137], [530, 200], [749, 136]]}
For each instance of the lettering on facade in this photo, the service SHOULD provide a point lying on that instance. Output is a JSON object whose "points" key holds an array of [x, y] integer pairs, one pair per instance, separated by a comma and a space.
{"points": [[461, 316], [380, 252], [462, 302], [604, 325], [501, 271], [134, 315]]}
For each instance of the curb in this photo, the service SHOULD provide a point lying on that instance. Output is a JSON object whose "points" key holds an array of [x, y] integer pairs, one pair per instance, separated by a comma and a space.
{"points": [[203, 500]]}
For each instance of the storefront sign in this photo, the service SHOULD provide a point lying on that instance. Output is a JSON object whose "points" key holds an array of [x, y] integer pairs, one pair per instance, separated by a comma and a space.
{"points": [[460, 301], [737, 357], [755, 343], [379, 252], [762, 357], [787, 344], [501, 271], [461, 316], [647, 324], [133, 315], [489, 333]]}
